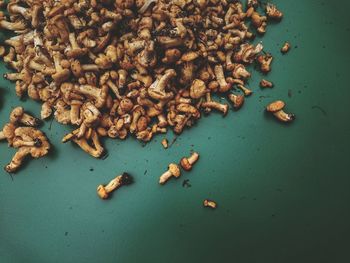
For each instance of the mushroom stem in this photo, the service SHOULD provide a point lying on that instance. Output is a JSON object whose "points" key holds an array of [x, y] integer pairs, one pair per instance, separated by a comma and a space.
{"points": [[283, 116], [165, 177], [217, 106], [17, 159]]}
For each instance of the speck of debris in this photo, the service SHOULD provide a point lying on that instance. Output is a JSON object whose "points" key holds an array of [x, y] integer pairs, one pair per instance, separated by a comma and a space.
{"points": [[319, 108], [51, 124], [299, 91], [273, 215], [254, 199], [209, 138], [91, 169], [264, 97], [66, 233], [11, 176], [45, 167], [295, 46], [145, 172], [186, 183], [105, 156], [173, 141], [290, 93]]}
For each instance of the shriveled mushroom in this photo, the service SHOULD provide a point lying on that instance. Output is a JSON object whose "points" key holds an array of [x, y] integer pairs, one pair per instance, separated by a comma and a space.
{"points": [[266, 84], [173, 171], [187, 163], [286, 47], [104, 191], [276, 108], [210, 203], [29, 141], [18, 116]]}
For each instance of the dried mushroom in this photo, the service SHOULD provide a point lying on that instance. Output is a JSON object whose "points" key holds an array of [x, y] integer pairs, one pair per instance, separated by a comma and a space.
{"points": [[28, 140]]}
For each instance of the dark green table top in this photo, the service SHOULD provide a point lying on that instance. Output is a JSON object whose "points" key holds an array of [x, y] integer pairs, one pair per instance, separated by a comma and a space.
{"points": [[283, 191]]}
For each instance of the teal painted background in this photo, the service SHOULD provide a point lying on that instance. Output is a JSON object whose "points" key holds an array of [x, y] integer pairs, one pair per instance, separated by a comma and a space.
{"points": [[283, 191]]}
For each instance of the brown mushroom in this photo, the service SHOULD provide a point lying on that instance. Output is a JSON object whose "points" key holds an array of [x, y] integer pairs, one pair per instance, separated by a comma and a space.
{"points": [[104, 191], [276, 108], [173, 171]]}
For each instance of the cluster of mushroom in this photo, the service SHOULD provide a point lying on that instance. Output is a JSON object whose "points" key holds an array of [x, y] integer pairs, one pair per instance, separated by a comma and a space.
{"points": [[117, 67], [21, 133]]}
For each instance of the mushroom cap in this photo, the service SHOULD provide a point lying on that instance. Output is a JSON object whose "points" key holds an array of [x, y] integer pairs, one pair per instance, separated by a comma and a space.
{"points": [[76, 68], [16, 114], [61, 75], [237, 100], [76, 52], [198, 89], [185, 164], [275, 106], [101, 191], [174, 169]]}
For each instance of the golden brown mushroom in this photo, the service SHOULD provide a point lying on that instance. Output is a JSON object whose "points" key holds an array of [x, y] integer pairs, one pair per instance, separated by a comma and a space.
{"points": [[276, 108], [29, 141]]}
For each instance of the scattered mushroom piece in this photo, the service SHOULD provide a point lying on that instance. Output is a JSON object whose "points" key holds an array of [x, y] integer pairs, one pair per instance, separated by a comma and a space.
{"points": [[237, 100], [173, 171], [266, 84], [210, 203], [164, 143], [187, 163], [286, 47], [104, 191], [29, 141], [272, 12], [276, 108], [265, 62]]}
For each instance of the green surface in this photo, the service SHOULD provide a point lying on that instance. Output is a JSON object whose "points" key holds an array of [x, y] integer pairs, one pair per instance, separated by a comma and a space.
{"points": [[282, 191]]}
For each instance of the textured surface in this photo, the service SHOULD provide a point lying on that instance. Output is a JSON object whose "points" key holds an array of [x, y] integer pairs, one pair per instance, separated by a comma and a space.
{"points": [[283, 191]]}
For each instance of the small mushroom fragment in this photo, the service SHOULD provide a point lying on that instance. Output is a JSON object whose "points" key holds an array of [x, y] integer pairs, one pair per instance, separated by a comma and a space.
{"points": [[285, 48], [237, 100], [187, 163], [173, 171], [272, 12], [210, 203], [265, 62], [104, 191], [164, 143], [266, 84], [276, 108]]}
